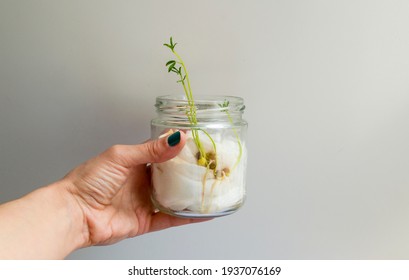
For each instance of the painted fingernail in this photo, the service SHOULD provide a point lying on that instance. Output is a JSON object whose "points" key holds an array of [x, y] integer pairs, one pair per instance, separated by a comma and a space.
{"points": [[174, 139]]}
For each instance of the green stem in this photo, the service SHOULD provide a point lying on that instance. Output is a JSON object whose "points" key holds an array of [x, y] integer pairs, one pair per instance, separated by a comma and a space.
{"points": [[186, 73], [214, 147], [189, 96]]}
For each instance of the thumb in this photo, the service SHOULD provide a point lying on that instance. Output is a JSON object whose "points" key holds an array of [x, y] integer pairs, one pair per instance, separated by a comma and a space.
{"points": [[152, 151]]}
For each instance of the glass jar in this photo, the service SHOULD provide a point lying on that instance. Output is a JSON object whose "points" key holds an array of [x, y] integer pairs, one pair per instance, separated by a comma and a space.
{"points": [[207, 178]]}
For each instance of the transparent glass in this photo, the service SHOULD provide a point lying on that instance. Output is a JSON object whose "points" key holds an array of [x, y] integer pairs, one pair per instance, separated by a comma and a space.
{"points": [[207, 178]]}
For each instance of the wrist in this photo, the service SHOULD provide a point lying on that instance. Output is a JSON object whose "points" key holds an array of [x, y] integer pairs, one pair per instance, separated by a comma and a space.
{"points": [[76, 226], [45, 224], [63, 218]]}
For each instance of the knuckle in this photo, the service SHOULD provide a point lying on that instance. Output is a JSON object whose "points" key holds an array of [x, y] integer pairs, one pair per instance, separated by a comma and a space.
{"points": [[154, 150], [115, 151]]}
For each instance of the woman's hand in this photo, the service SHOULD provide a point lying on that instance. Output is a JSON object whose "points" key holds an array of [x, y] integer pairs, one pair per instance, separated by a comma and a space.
{"points": [[113, 191], [102, 201]]}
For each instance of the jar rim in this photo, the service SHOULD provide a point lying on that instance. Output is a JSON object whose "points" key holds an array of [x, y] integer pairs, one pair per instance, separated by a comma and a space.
{"points": [[204, 105], [220, 108], [201, 99]]}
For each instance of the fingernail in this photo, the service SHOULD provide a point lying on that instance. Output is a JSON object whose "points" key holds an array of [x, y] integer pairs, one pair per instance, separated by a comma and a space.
{"points": [[174, 139]]}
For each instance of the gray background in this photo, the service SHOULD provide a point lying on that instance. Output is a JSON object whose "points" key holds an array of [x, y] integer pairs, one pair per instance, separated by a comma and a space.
{"points": [[327, 95]]}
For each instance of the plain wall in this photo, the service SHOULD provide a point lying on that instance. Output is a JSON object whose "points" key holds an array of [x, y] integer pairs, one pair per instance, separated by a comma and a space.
{"points": [[326, 85]]}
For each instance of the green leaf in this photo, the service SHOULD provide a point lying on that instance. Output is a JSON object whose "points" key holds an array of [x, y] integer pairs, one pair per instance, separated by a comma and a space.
{"points": [[171, 45], [170, 62], [225, 104]]}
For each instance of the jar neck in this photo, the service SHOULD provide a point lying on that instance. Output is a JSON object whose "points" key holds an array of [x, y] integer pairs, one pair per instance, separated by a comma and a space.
{"points": [[202, 109]]}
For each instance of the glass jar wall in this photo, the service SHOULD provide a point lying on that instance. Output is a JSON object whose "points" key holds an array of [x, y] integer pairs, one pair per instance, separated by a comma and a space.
{"points": [[207, 178]]}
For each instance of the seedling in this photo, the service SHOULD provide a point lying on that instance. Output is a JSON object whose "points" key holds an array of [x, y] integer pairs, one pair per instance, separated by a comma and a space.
{"points": [[179, 68], [206, 159], [225, 105]]}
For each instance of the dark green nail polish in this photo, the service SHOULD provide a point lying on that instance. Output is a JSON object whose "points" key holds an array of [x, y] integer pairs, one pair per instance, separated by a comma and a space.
{"points": [[174, 139]]}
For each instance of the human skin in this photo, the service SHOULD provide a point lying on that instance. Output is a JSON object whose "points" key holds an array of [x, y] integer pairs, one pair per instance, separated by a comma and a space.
{"points": [[102, 201]]}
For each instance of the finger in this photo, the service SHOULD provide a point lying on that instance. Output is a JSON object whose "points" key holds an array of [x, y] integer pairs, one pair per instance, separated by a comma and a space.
{"points": [[162, 221], [152, 151]]}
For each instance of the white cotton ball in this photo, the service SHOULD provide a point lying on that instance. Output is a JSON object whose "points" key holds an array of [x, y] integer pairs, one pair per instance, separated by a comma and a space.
{"points": [[175, 183], [189, 151], [182, 185]]}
